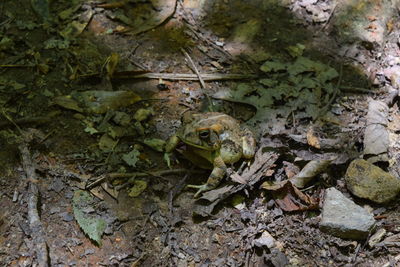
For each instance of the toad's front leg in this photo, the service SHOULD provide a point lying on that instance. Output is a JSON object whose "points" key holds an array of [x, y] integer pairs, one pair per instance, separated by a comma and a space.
{"points": [[214, 179], [170, 145]]}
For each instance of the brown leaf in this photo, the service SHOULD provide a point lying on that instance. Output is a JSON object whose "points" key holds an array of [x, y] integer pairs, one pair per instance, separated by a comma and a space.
{"points": [[289, 198], [312, 139], [290, 169]]}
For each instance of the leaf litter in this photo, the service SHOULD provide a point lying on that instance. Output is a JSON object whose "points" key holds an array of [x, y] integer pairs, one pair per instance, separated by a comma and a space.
{"points": [[288, 91]]}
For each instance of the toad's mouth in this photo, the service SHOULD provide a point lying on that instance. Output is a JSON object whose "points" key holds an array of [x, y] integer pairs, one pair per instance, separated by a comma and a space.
{"points": [[209, 148]]}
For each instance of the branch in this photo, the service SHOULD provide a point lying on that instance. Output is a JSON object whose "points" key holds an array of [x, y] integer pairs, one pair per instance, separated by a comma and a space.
{"points": [[38, 235]]}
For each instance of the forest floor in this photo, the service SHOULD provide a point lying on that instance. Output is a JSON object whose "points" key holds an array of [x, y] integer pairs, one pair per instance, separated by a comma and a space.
{"points": [[91, 91]]}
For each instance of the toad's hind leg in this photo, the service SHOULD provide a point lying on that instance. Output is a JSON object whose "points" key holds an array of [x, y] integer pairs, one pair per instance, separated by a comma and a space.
{"points": [[214, 179]]}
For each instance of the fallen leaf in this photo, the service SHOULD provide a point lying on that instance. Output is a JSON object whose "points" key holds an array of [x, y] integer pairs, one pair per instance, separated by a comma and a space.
{"points": [[138, 187], [312, 139], [289, 198], [312, 169], [91, 224]]}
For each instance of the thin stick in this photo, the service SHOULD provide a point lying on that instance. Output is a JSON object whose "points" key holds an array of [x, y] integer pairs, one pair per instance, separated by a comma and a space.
{"points": [[329, 18], [346, 89], [186, 76], [203, 85], [32, 120], [115, 175]]}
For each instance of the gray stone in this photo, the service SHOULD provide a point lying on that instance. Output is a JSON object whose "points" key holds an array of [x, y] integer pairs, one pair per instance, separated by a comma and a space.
{"points": [[376, 136], [368, 181], [341, 217]]}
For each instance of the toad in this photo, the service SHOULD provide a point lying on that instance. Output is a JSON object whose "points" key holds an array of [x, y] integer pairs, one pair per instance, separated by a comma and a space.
{"points": [[212, 140]]}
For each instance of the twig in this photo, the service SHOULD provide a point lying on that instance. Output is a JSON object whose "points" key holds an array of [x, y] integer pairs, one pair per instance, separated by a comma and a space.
{"points": [[329, 18], [37, 232], [346, 89], [115, 175], [187, 76], [33, 120], [173, 193], [203, 85]]}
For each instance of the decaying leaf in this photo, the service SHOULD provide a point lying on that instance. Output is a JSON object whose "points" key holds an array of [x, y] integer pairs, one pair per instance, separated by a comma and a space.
{"points": [[76, 27], [296, 50], [216, 193], [155, 143], [312, 139], [132, 157], [110, 190], [143, 114], [106, 143], [91, 224], [289, 198], [312, 169], [290, 169], [138, 187], [261, 167]]}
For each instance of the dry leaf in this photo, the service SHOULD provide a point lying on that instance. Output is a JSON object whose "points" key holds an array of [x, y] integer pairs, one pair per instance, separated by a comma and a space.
{"points": [[312, 169], [289, 198], [312, 139]]}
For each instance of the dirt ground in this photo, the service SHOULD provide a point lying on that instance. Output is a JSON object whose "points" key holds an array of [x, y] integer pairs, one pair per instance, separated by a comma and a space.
{"points": [[49, 57]]}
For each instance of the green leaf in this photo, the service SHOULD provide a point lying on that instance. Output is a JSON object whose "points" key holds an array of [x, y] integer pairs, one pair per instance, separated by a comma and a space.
{"points": [[92, 225], [106, 143], [272, 66], [131, 158], [327, 75], [91, 130], [268, 82], [138, 187], [296, 50], [155, 143]]}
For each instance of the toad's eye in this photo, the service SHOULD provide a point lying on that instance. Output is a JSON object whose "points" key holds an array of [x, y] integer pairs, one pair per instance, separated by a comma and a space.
{"points": [[204, 134]]}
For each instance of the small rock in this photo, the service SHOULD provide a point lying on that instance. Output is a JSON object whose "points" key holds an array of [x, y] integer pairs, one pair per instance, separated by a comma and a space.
{"points": [[66, 217], [376, 136], [368, 181], [57, 185], [341, 217], [265, 239]]}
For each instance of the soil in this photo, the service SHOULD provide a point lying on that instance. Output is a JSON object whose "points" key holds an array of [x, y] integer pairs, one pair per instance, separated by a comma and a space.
{"points": [[158, 227]]}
